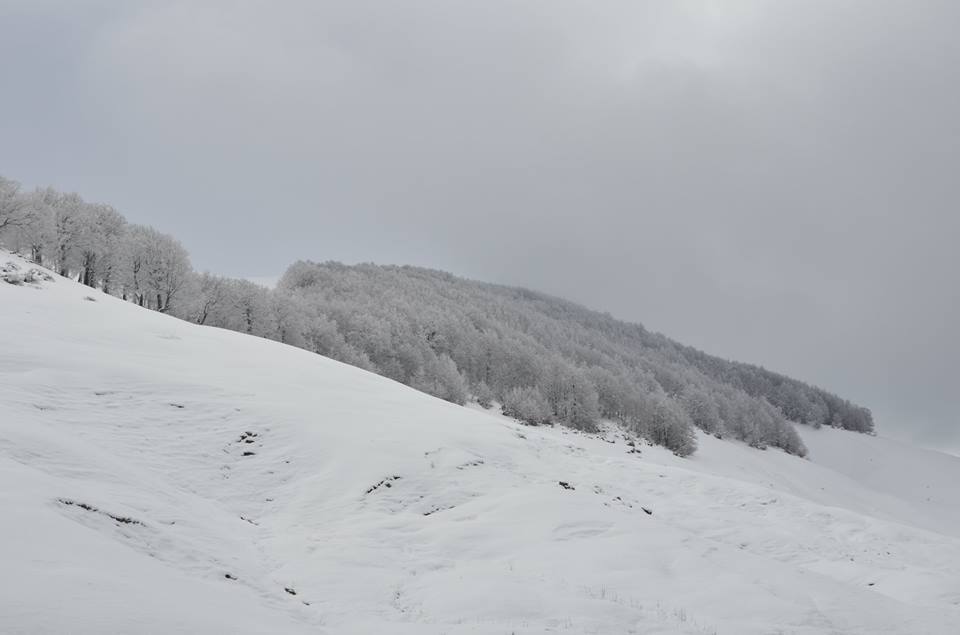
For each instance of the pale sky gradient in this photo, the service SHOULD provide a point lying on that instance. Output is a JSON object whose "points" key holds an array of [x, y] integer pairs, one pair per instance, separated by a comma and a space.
{"points": [[771, 181]]}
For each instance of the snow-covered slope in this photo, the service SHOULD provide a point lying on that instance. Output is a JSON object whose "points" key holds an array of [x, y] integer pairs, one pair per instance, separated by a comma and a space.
{"points": [[161, 477]]}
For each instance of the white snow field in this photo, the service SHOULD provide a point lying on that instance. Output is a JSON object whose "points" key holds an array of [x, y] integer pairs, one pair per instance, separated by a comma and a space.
{"points": [[144, 459]]}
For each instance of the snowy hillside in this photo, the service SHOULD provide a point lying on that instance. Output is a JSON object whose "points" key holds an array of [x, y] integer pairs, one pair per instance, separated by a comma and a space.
{"points": [[159, 477]]}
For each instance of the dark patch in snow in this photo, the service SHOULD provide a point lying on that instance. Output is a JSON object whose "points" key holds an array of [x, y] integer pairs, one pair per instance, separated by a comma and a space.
{"points": [[126, 520], [383, 483], [248, 437], [252, 522], [89, 298], [618, 501], [436, 510], [476, 463], [177, 405]]}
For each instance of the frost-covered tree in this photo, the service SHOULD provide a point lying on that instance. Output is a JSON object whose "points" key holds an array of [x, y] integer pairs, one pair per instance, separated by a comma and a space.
{"points": [[663, 421], [68, 214], [210, 299], [440, 378], [254, 312], [483, 394], [31, 233], [13, 204], [570, 396], [290, 318], [36, 235], [132, 263], [165, 267], [324, 338], [527, 405], [702, 409], [99, 245]]}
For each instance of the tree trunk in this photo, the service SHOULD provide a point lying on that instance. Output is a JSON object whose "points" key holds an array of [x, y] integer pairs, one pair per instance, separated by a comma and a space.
{"points": [[62, 261]]}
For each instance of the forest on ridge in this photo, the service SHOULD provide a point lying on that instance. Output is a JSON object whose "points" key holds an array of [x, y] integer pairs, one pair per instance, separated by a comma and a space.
{"points": [[543, 359]]}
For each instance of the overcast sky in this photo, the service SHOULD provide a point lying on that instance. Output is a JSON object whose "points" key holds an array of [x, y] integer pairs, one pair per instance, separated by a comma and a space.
{"points": [[776, 182]]}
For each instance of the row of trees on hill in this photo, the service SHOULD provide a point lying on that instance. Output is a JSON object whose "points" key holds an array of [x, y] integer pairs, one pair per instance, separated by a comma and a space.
{"points": [[543, 359], [94, 243]]}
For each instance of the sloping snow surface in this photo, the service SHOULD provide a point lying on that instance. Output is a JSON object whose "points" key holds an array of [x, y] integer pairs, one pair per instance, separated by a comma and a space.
{"points": [[161, 477]]}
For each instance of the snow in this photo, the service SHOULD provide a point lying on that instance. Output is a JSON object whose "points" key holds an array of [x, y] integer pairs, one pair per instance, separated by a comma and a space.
{"points": [[386, 510]]}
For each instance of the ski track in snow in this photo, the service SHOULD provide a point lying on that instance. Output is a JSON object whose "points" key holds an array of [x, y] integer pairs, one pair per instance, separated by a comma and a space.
{"points": [[163, 477]]}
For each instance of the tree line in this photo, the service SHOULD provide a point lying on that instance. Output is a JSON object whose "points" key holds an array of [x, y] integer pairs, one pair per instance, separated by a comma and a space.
{"points": [[95, 244], [543, 359]]}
